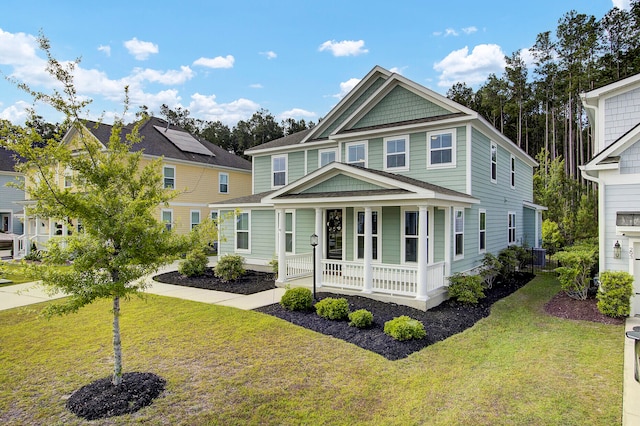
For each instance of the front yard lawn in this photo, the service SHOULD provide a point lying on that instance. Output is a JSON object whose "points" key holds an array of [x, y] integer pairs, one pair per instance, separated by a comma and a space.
{"points": [[227, 366]]}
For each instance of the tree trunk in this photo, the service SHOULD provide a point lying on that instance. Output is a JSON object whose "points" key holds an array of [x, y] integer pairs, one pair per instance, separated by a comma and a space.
{"points": [[117, 345]]}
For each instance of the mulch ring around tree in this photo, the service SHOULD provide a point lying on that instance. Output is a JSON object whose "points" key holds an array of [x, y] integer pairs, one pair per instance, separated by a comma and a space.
{"points": [[251, 282], [441, 322], [102, 399], [563, 306]]}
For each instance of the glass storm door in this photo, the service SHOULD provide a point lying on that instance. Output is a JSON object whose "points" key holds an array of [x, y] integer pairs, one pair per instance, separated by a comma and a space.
{"points": [[334, 234]]}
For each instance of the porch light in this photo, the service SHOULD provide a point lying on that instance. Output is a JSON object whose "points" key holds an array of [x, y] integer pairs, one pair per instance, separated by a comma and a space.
{"points": [[314, 242], [617, 250]]}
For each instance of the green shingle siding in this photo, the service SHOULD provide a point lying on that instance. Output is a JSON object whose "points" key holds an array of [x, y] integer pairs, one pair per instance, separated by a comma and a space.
{"points": [[341, 183], [400, 105]]}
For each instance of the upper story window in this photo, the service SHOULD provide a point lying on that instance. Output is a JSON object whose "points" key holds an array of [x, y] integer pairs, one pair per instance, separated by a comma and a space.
{"points": [[494, 162], [68, 176], [442, 148], [279, 170], [396, 152], [326, 156], [169, 173], [513, 171], [223, 183], [357, 153]]}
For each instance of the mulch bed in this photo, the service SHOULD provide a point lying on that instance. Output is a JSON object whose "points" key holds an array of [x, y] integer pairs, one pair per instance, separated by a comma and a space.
{"points": [[251, 282], [563, 306], [441, 322]]}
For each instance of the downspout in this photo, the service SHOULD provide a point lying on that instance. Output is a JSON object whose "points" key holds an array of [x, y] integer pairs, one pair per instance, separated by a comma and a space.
{"points": [[601, 229]]}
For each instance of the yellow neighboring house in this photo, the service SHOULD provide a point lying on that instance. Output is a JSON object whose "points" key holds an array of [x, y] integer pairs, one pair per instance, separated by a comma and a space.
{"points": [[200, 170]]}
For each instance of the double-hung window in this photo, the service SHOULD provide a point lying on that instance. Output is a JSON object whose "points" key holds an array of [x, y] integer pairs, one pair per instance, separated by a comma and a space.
{"points": [[442, 148], [195, 218], [68, 178], [494, 162], [482, 231], [289, 231], [513, 171], [396, 150], [360, 231], [326, 156], [511, 228], [458, 231], [223, 183], [169, 174], [279, 171], [357, 153], [411, 236], [167, 219], [242, 231]]}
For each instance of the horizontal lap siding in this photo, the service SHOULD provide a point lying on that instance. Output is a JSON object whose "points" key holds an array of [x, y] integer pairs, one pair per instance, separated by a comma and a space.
{"points": [[295, 166], [391, 238], [261, 174], [312, 160], [618, 198], [305, 226], [7, 196]]}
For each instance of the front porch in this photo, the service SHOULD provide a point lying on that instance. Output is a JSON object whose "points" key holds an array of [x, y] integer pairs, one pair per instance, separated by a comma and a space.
{"points": [[389, 283]]}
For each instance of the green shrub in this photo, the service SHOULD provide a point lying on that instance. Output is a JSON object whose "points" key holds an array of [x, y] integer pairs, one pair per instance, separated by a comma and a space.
{"points": [[297, 299], [194, 264], [361, 318], [229, 267], [273, 263], [616, 288], [575, 273], [466, 288], [333, 309], [34, 255], [490, 269], [509, 260], [404, 328]]}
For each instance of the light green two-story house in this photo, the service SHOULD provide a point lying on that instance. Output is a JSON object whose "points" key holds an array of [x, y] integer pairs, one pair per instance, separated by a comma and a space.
{"points": [[402, 187]]}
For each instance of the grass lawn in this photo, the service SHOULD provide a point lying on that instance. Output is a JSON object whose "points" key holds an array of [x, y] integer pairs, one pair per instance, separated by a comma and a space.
{"points": [[226, 366], [13, 272]]}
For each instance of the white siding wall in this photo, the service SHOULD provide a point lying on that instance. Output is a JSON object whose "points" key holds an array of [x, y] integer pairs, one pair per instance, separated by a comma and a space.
{"points": [[630, 160]]}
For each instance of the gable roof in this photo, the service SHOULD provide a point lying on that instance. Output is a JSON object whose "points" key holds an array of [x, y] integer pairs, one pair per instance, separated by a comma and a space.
{"points": [[157, 143], [7, 160], [352, 116], [609, 158]]}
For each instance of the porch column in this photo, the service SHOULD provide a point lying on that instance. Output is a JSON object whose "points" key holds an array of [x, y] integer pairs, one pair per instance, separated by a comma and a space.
{"points": [[447, 241], [423, 258], [368, 251], [282, 245], [319, 248]]}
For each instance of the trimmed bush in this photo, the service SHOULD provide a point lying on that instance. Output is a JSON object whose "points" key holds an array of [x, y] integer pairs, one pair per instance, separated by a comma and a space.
{"points": [[361, 318], [466, 288], [616, 289], [229, 267], [404, 328], [194, 264], [575, 273], [332, 308], [297, 299]]}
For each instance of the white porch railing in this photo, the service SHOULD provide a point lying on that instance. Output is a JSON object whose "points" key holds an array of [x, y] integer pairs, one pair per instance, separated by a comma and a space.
{"points": [[399, 280]]}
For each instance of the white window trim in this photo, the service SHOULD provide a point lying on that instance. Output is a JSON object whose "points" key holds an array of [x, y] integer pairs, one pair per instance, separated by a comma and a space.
{"points": [[235, 232], [403, 243], [293, 232], [491, 162], [406, 152], [326, 150], [220, 175], [164, 176], [480, 230], [512, 168], [366, 152], [455, 255], [68, 177], [378, 235], [191, 212], [286, 170], [453, 149], [514, 227], [171, 223]]}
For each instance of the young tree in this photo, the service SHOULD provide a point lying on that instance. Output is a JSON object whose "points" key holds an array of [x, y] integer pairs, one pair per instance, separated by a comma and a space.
{"points": [[114, 196]]}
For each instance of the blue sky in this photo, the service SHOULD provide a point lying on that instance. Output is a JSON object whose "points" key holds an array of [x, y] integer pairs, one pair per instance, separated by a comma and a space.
{"points": [[225, 60]]}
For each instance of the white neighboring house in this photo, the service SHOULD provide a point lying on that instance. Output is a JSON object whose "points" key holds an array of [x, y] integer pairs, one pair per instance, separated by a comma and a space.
{"points": [[614, 115]]}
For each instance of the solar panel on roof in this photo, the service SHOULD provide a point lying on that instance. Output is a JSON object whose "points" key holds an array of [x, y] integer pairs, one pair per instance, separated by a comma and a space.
{"points": [[184, 141]]}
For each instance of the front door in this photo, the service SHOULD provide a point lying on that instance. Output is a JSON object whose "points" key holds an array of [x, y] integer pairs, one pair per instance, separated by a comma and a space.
{"points": [[334, 234]]}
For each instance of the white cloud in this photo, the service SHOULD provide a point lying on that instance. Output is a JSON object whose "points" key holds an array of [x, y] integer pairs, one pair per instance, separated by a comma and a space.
{"points": [[256, 86], [344, 48], [297, 112], [450, 32], [346, 87], [217, 62], [16, 113], [471, 68], [140, 49], [622, 4], [164, 77], [206, 108], [397, 70], [105, 49], [270, 54], [469, 30]]}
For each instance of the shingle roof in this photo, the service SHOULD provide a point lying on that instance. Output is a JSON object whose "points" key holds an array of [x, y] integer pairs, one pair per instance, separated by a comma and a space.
{"points": [[247, 199], [7, 160], [291, 139], [156, 144]]}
